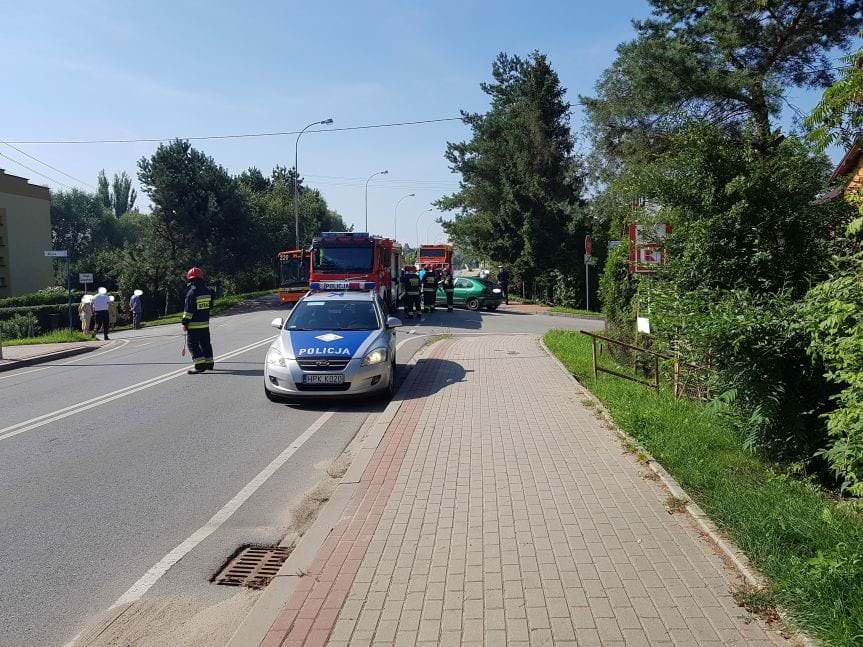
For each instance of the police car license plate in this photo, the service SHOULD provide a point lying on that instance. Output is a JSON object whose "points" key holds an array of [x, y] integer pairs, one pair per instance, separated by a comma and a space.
{"points": [[323, 379]]}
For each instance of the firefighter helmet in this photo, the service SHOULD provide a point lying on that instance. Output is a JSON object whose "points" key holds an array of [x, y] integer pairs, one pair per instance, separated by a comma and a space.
{"points": [[194, 273]]}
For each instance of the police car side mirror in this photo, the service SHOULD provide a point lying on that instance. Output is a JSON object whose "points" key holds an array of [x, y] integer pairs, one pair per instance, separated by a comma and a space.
{"points": [[277, 323], [393, 322]]}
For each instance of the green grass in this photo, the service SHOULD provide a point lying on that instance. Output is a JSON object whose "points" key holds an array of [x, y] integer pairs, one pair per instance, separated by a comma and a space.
{"points": [[55, 337], [808, 544], [578, 311]]}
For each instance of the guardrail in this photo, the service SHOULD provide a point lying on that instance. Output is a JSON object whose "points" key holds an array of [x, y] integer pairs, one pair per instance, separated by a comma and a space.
{"points": [[657, 357]]}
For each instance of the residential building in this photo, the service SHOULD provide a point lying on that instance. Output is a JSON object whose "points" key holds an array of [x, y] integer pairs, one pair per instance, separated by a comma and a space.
{"points": [[25, 234]]}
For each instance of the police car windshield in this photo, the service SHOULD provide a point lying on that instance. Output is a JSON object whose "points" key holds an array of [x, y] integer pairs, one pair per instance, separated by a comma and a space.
{"points": [[333, 315]]}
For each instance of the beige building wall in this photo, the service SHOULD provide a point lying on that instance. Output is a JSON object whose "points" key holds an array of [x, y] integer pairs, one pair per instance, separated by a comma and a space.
{"points": [[25, 234]]}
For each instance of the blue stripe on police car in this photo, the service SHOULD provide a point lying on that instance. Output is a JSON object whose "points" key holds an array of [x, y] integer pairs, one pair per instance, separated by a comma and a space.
{"points": [[322, 343]]}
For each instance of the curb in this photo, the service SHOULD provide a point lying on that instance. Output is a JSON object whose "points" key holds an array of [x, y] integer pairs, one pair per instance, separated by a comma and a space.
{"points": [[258, 621], [45, 357], [730, 551]]}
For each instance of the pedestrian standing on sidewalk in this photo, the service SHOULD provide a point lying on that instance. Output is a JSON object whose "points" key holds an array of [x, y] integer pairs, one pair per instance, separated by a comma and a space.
{"points": [[503, 279], [85, 313], [112, 312], [137, 308], [196, 321], [100, 309]]}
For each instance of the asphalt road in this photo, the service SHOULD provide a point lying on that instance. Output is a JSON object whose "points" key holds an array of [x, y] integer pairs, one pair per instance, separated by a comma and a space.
{"points": [[110, 460]]}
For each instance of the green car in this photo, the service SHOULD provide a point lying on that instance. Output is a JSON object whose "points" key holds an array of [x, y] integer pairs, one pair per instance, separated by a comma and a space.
{"points": [[473, 294]]}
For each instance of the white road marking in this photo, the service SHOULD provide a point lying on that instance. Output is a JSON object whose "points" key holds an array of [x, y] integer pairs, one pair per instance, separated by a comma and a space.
{"points": [[121, 342], [405, 341], [139, 588], [59, 414]]}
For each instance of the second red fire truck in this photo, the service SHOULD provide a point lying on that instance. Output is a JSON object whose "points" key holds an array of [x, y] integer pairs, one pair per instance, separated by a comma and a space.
{"points": [[439, 257]]}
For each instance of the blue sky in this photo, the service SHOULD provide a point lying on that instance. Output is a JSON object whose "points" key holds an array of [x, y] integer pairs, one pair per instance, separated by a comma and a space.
{"points": [[101, 70]]}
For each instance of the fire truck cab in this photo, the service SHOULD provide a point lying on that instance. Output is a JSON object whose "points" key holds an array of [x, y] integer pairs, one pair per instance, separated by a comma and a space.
{"points": [[439, 256], [342, 256], [293, 274]]}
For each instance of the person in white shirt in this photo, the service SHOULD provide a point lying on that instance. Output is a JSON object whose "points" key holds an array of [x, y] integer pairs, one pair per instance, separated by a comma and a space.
{"points": [[100, 309]]}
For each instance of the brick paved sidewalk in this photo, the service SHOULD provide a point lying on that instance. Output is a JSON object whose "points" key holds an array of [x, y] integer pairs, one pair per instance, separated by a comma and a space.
{"points": [[497, 511]]}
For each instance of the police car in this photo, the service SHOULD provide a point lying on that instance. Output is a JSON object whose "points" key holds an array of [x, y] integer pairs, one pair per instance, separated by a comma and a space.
{"points": [[337, 341]]}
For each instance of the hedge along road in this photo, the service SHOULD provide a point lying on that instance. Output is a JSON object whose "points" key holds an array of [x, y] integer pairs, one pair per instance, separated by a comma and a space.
{"points": [[113, 462]]}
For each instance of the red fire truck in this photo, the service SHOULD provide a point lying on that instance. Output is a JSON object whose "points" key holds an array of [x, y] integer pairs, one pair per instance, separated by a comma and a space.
{"points": [[293, 274], [342, 257], [438, 256]]}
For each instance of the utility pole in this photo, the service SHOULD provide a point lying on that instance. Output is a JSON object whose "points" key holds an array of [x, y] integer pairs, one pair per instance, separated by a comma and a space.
{"points": [[325, 122], [367, 195]]}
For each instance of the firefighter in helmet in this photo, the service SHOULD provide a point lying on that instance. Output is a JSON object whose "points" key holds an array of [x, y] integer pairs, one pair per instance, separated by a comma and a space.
{"points": [[448, 285], [429, 282], [196, 321], [411, 291]]}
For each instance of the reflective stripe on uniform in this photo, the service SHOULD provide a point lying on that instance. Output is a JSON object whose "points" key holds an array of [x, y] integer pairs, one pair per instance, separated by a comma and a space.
{"points": [[187, 315], [198, 325]]}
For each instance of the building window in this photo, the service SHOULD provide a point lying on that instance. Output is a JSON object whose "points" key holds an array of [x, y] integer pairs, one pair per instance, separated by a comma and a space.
{"points": [[2, 281]]}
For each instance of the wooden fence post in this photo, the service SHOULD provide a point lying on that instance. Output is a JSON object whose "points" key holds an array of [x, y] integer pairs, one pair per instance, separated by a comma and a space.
{"points": [[593, 345]]}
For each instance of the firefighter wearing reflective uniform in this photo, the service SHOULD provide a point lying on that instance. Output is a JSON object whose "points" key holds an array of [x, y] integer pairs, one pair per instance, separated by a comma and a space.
{"points": [[429, 289], [196, 321], [411, 291], [448, 286]]}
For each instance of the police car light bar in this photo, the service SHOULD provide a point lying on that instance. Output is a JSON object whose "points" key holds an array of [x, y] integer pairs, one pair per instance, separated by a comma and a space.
{"points": [[342, 285]]}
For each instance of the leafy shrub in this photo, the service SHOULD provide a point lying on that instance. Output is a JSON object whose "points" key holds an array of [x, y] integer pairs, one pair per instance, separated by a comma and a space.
{"points": [[20, 325], [616, 291], [48, 296], [834, 315], [757, 354]]}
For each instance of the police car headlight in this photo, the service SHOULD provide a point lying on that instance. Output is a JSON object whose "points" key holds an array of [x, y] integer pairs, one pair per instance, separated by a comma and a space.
{"points": [[377, 356], [274, 358], [496, 290]]}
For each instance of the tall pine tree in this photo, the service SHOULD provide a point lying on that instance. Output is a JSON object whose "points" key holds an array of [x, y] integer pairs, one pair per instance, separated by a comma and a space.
{"points": [[520, 183]]}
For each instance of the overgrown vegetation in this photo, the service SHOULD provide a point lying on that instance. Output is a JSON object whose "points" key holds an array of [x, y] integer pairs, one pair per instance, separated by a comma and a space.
{"points": [[807, 544], [683, 134]]}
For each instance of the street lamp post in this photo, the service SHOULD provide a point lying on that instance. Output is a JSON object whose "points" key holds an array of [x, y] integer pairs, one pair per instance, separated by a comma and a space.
{"points": [[396, 213], [428, 230], [418, 224], [325, 122], [367, 195]]}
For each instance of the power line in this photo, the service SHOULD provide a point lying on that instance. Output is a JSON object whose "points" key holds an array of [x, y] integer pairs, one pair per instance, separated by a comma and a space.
{"points": [[236, 136], [32, 170], [54, 168]]}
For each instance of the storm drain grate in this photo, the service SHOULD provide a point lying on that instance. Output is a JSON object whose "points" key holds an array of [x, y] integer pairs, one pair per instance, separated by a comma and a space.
{"points": [[253, 567]]}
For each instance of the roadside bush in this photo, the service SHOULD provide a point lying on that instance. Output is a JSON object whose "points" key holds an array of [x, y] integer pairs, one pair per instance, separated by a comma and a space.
{"points": [[833, 313], [758, 360], [48, 296], [19, 325], [616, 291]]}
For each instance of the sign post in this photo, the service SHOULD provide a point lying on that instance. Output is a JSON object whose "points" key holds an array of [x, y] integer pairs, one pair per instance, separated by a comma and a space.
{"points": [[588, 252], [62, 253], [85, 279]]}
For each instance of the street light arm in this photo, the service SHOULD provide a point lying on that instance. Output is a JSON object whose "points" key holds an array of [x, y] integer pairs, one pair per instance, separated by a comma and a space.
{"points": [[297, 178]]}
